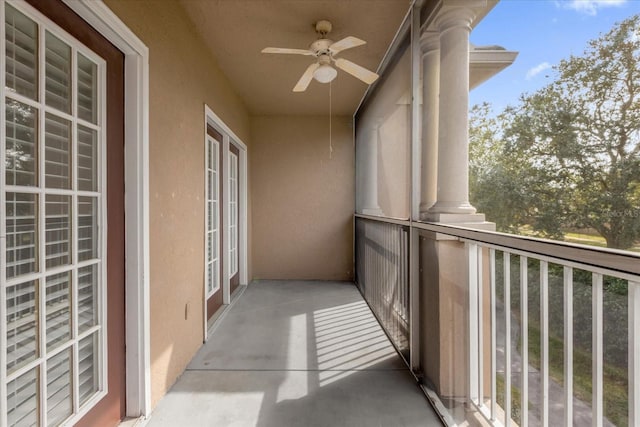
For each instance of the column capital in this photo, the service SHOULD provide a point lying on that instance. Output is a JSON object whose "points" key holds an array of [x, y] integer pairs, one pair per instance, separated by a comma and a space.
{"points": [[429, 41], [455, 17]]}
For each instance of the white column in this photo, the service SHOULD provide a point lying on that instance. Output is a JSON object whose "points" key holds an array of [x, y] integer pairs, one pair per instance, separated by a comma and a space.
{"points": [[370, 204], [430, 46], [454, 26]]}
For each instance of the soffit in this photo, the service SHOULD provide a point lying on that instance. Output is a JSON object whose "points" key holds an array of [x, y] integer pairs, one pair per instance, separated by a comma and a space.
{"points": [[237, 30]]}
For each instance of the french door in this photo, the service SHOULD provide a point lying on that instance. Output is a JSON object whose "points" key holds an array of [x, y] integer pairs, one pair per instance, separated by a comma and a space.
{"points": [[61, 189], [214, 253], [234, 217], [223, 175]]}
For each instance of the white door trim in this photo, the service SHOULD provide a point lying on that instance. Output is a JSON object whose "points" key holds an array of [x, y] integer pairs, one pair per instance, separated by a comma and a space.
{"points": [[138, 361], [229, 137]]}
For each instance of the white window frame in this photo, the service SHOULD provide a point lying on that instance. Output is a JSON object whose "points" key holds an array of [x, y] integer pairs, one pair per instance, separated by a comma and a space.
{"points": [[229, 137], [212, 146], [45, 26]]}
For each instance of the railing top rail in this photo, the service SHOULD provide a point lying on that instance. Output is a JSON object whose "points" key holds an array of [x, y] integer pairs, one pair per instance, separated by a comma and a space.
{"points": [[385, 219], [611, 259]]}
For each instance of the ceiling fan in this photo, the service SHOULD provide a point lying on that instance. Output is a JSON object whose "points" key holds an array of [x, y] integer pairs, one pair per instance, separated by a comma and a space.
{"points": [[325, 50]]}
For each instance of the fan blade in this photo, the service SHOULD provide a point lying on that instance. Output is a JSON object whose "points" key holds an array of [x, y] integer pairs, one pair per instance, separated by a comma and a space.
{"points": [[346, 43], [289, 51], [304, 81], [356, 70]]}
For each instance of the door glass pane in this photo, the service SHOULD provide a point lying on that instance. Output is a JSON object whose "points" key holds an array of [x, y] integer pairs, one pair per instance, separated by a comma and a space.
{"points": [[209, 277], [210, 183], [88, 367], [87, 297], [22, 399], [214, 275], [21, 144], [87, 228], [57, 156], [57, 73], [58, 309], [59, 394], [87, 89], [22, 234], [21, 53], [87, 159], [58, 230], [22, 324], [210, 225]]}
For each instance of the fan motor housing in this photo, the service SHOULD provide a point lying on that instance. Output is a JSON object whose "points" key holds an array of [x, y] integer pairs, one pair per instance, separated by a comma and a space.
{"points": [[320, 46]]}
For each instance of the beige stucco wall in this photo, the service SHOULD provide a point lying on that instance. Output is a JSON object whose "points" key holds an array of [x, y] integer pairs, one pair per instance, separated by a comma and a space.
{"points": [[303, 201], [183, 77]]}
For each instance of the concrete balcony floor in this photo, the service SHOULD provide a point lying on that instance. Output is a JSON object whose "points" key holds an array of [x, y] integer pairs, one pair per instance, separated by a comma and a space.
{"points": [[296, 353]]}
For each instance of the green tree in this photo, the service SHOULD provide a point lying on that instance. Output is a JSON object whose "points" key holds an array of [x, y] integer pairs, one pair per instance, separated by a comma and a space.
{"points": [[570, 152]]}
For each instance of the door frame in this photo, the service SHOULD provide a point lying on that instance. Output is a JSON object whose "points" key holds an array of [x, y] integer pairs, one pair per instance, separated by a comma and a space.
{"points": [[229, 137], [136, 148]]}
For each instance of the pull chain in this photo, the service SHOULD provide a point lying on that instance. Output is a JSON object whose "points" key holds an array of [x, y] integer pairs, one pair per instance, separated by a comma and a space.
{"points": [[330, 142]]}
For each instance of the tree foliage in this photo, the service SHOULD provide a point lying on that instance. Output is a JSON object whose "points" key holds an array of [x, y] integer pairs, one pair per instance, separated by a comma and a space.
{"points": [[567, 155]]}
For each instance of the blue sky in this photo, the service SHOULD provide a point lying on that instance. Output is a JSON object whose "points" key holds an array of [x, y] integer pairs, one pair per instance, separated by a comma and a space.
{"points": [[544, 32]]}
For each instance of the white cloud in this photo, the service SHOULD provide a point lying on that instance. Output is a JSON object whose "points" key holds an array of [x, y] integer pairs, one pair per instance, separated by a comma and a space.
{"points": [[589, 7], [537, 70]]}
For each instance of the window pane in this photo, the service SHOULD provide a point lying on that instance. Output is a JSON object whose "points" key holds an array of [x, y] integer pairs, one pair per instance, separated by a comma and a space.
{"points": [[21, 53], [22, 234], [87, 159], [22, 399], [22, 324], [209, 154], [57, 73], [59, 394], [87, 228], [210, 184], [209, 277], [214, 274], [87, 89], [57, 152], [58, 230], [88, 367], [21, 145], [87, 297], [58, 309]]}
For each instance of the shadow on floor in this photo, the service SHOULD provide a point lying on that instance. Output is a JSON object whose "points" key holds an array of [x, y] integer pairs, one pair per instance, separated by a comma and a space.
{"points": [[294, 353]]}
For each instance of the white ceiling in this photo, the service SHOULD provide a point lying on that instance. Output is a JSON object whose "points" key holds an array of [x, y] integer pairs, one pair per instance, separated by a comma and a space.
{"points": [[237, 30]]}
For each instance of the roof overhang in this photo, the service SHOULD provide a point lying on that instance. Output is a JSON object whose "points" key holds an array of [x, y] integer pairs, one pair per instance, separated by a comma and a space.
{"points": [[486, 62]]}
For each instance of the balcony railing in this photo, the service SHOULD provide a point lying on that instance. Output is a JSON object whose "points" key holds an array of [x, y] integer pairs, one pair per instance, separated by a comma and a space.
{"points": [[382, 275], [552, 329]]}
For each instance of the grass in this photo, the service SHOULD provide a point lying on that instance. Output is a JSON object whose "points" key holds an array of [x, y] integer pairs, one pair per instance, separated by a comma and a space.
{"points": [[516, 408], [615, 388], [581, 238]]}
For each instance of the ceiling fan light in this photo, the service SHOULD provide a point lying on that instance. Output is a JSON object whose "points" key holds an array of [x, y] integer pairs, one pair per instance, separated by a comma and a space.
{"points": [[325, 73]]}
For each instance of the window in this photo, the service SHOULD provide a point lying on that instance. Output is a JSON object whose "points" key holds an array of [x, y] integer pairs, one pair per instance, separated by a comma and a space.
{"points": [[213, 216], [52, 199]]}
